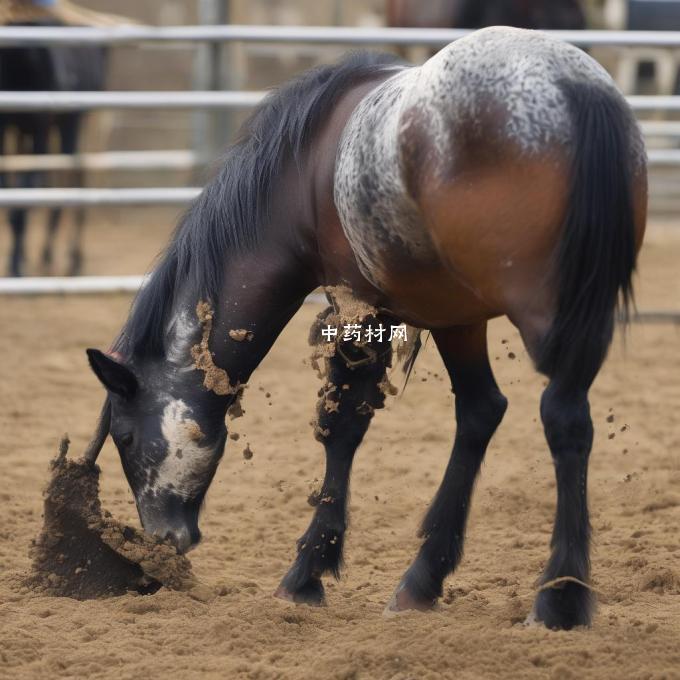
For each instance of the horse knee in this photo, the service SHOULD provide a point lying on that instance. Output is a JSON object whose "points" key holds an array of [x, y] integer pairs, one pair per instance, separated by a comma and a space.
{"points": [[479, 417]]}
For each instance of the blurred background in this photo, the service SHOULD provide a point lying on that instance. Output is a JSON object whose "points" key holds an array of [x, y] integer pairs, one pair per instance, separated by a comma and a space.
{"points": [[181, 147]]}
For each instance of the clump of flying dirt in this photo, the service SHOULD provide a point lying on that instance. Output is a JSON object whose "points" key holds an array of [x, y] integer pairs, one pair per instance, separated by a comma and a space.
{"points": [[241, 334], [82, 552], [216, 378]]}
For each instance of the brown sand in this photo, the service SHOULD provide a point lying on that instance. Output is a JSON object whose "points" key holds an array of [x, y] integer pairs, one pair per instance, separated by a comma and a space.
{"points": [[256, 509]]}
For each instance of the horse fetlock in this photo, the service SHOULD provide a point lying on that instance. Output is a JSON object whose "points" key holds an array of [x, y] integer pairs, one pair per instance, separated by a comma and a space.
{"points": [[321, 549]]}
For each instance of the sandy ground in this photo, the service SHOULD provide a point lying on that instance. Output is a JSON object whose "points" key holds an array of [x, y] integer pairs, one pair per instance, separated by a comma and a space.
{"points": [[257, 508]]}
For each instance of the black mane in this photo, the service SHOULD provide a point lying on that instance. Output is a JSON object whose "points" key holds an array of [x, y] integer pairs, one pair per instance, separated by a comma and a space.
{"points": [[228, 214]]}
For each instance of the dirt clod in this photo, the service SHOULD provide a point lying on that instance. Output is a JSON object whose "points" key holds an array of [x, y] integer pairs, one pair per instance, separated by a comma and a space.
{"points": [[83, 553], [241, 334], [215, 378]]}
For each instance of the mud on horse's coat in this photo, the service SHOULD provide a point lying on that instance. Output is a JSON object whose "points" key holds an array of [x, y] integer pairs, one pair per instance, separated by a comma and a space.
{"points": [[505, 176]]}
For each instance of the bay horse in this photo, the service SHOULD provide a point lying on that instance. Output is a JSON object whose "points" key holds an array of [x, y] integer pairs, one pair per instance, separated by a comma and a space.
{"points": [[49, 68], [505, 176]]}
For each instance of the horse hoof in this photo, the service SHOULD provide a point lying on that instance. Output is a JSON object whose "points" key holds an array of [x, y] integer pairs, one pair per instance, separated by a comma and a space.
{"points": [[404, 601], [312, 595], [564, 608]]}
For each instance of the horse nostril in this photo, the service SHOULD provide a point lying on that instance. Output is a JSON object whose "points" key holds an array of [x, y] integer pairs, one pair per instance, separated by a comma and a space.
{"points": [[183, 539]]}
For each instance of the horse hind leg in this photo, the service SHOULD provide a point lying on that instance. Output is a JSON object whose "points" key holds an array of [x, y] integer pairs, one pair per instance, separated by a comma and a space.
{"points": [[17, 221], [565, 599], [480, 407], [76, 248], [352, 393], [47, 257], [69, 129]]}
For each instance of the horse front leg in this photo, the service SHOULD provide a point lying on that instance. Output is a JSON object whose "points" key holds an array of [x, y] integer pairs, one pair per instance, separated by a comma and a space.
{"points": [[479, 410], [353, 391]]}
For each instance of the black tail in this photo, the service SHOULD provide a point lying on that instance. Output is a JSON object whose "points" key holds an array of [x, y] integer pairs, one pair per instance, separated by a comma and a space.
{"points": [[595, 258]]}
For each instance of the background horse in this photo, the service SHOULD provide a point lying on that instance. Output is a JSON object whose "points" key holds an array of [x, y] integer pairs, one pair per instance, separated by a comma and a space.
{"points": [[57, 68], [536, 14], [506, 176]]}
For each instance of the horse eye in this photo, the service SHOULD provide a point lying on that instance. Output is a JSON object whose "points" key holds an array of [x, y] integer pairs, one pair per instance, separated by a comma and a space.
{"points": [[126, 439]]}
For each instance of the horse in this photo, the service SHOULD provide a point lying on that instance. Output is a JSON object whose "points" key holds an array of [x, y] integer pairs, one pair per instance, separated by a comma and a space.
{"points": [[504, 177], [536, 14], [55, 68]]}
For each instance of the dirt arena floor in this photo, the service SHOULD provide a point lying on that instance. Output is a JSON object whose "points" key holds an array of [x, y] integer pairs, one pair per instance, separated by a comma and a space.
{"points": [[257, 508]]}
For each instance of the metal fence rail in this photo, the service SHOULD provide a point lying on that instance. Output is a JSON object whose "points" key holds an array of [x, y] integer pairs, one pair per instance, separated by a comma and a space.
{"points": [[177, 159], [88, 285], [75, 101], [63, 285], [45, 198], [180, 99], [347, 35]]}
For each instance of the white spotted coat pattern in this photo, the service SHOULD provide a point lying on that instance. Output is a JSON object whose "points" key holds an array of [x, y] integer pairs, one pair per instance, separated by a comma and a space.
{"points": [[515, 71]]}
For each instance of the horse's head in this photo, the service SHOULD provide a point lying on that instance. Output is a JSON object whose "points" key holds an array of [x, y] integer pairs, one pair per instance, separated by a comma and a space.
{"points": [[170, 438]]}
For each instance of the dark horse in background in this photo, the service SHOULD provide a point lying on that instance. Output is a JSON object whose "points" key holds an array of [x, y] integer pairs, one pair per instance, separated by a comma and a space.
{"points": [[506, 176], [49, 68], [536, 14]]}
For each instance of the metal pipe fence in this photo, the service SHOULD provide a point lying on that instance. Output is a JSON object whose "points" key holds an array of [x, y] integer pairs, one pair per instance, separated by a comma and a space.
{"points": [[121, 35]]}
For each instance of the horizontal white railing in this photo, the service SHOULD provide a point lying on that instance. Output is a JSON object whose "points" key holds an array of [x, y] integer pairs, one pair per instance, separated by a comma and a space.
{"points": [[87, 285], [46, 198], [347, 35], [234, 99], [75, 101], [58, 285], [178, 159]]}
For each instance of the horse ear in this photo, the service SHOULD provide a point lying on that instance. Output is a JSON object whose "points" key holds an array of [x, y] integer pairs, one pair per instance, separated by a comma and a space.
{"points": [[114, 376]]}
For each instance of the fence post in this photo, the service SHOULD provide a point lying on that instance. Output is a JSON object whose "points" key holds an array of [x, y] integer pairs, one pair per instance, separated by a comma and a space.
{"points": [[210, 127]]}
